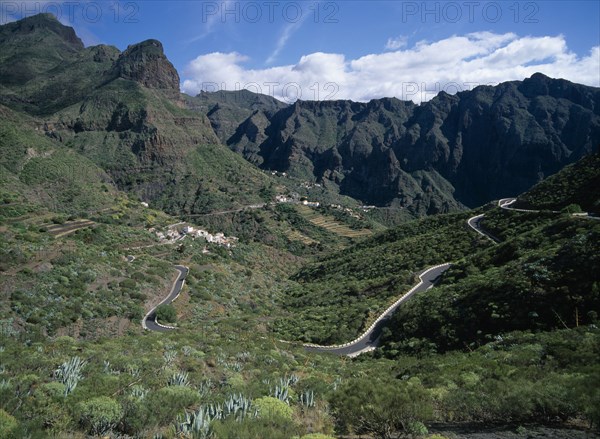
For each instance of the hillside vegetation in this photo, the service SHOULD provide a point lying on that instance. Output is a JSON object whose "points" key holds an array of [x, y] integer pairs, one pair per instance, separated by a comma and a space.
{"points": [[576, 184], [105, 168]]}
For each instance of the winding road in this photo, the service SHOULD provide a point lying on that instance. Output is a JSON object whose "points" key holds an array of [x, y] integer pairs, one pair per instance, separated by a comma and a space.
{"points": [[149, 321], [369, 340], [505, 203]]}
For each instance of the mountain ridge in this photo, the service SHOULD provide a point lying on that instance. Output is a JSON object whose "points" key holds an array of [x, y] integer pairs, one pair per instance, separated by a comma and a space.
{"points": [[442, 155], [485, 143]]}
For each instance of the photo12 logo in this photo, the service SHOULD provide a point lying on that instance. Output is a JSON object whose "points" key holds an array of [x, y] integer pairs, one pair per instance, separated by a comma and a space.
{"points": [[71, 12], [289, 92], [470, 11], [269, 12], [424, 91]]}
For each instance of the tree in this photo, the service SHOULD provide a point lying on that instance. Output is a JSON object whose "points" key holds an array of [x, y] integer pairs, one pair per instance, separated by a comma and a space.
{"points": [[166, 313]]}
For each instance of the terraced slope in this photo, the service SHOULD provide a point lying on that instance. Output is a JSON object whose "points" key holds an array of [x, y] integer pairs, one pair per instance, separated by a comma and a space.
{"points": [[330, 224]]}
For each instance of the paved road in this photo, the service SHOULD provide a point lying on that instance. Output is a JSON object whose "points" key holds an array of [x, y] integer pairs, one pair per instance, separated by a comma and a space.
{"points": [[149, 321], [369, 340], [475, 223]]}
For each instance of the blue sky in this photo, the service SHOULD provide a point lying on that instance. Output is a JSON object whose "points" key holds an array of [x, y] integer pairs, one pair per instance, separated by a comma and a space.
{"points": [[347, 49]]}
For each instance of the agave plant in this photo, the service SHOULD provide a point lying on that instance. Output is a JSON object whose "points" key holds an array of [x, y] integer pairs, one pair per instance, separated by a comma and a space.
{"points": [[69, 373], [109, 370], [281, 393], [238, 406], [5, 384], [205, 387], [194, 424], [169, 357], [307, 398], [243, 356], [179, 379], [134, 371], [215, 411], [138, 392], [292, 379]]}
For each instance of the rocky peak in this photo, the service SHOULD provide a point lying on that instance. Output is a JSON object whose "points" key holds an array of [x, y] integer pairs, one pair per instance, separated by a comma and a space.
{"points": [[40, 24], [147, 64]]}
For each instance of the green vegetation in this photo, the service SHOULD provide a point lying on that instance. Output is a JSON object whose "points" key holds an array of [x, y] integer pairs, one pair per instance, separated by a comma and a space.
{"points": [[540, 279], [166, 314], [508, 336], [575, 184], [332, 300]]}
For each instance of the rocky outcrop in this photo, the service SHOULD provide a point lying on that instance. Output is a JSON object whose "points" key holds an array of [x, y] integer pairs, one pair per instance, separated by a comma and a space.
{"points": [[147, 64], [467, 148]]}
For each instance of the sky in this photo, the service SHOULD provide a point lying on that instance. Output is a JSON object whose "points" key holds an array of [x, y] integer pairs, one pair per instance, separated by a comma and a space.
{"points": [[359, 50]]}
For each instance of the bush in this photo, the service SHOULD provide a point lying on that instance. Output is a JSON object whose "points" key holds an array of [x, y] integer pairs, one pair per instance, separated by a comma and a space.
{"points": [[100, 415], [572, 208], [165, 404], [8, 424], [272, 408], [317, 436], [166, 313], [128, 284]]}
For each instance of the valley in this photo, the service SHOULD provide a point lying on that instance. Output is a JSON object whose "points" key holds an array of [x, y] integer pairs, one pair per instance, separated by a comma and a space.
{"points": [[227, 265]]}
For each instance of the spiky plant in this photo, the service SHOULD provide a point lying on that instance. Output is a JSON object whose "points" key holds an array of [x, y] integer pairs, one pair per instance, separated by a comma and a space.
{"points": [[169, 357], [281, 393], [69, 373], [5, 384], [179, 379], [138, 392], [307, 398], [238, 406], [205, 387], [194, 424]]}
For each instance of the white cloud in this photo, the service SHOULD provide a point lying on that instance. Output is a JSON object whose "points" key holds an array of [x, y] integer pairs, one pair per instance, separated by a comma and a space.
{"points": [[417, 73], [396, 43]]}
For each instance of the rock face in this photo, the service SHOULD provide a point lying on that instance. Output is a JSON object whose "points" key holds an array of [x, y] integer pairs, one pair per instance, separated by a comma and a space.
{"points": [[147, 64], [123, 112], [464, 149], [467, 148], [34, 45]]}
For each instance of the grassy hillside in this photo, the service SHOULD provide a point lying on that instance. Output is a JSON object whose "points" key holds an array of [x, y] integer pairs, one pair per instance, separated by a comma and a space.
{"points": [[575, 184], [543, 278], [39, 169], [332, 300]]}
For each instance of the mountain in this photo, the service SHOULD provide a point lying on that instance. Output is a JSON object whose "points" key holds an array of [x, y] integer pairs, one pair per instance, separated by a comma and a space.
{"points": [[506, 343], [227, 110], [123, 111], [464, 149]]}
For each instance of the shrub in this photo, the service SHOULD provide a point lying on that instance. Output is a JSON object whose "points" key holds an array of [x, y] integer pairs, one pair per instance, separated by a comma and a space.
{"points": [[166, 313], [8, 424], [317, 436], [572, 208], [273, 408], [128, 284], [100, 415]]}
